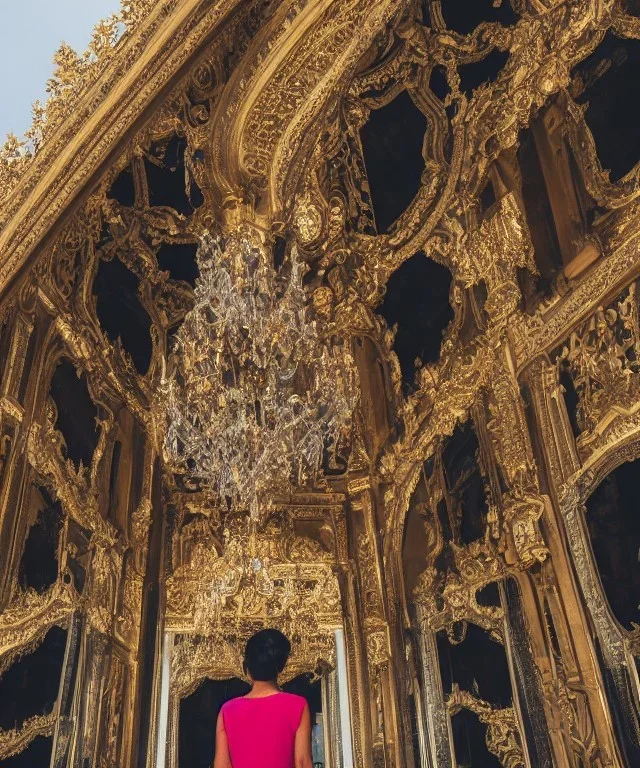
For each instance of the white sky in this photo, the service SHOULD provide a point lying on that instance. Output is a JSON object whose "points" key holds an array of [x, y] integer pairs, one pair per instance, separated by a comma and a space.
{"points": [[30, 33]]}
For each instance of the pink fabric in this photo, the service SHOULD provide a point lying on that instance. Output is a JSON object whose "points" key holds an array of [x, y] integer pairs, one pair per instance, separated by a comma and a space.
{"points": [[261, 732]]}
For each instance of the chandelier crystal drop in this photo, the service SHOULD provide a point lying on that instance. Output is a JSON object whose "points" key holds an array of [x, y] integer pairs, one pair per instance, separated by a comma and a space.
{"points": [[253, 398]]}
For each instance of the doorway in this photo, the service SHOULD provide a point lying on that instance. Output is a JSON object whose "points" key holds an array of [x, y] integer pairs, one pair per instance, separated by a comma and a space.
{"points": [[199, 712]]}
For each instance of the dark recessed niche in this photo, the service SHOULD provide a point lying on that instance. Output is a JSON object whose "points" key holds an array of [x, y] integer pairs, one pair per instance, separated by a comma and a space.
{"points": [[114, 475], [477, 664], [123, 189], [30, 686], [465, 483], [415, 728], [121, 313], [473, 509], [485, 71], [279, 252], [445, 522], [5, 343], [527, 678], [417, 300], [196, 197], [487, 196], [489, 595], [571, 400], [606, 81], [426, 13], [438, 83], [167, 180], [614, 529], [29, 357], [470, 741], [77, 413], [392, 141], [180, 261], [36, 755], [459, 456], [39, 562], [464, 16], [539, 212]]}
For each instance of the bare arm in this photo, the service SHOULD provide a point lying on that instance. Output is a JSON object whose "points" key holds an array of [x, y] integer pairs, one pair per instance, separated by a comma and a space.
{"points": [[303, 741], [222, 758]]}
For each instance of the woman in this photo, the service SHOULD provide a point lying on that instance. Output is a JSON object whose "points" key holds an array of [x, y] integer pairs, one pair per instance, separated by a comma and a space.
{"points": [[267, 728]]}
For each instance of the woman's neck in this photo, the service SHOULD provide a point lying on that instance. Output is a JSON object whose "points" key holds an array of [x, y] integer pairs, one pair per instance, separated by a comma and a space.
{"points": [[263, 688]]}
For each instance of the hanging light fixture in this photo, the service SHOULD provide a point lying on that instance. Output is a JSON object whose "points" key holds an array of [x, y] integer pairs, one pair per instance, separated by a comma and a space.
{"points": [[253, 398]]}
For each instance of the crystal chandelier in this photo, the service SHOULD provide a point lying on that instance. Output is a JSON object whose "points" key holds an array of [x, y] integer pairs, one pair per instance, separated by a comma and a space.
{"points": [[253, 398]]}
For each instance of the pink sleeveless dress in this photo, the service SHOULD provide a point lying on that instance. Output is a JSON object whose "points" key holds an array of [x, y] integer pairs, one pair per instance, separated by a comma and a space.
{"points": [[261, 732]]}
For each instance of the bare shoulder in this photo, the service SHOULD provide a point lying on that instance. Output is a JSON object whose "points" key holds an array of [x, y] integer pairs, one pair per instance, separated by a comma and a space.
{"points": [[225, 708], [297, 699]]}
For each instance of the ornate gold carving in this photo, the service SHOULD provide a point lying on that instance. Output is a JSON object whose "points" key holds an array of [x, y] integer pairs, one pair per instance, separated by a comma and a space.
{"points": [[449, 598], [15, 741], [271, 115], [25, 621], [536, 333], [375, 626], [106, 565], [72, 77], [44, 449], [633, 640], [130, 88], [448, 389], [493, 253], [503, 732], [601, 358], [292, 567], [195, 658], [522, 516], [114, 704], [264, 118], [573, 511], [370, 590], [307, 221], [265, 575]]}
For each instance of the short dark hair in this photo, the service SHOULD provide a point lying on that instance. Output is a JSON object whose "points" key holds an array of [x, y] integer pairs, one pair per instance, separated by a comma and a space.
{"points": [[266, 654]]}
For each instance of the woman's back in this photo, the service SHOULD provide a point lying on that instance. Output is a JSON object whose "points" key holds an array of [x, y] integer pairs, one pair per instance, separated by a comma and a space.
{"points": [[261, 730]]}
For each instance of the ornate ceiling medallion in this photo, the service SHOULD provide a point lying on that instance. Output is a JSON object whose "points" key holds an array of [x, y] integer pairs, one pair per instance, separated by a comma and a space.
{"points": [[253, 397]]}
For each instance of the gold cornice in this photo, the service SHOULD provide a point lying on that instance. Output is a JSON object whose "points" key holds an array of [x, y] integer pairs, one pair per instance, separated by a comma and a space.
{"points": [[146, 63], [263, 120], [534, 334]]}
